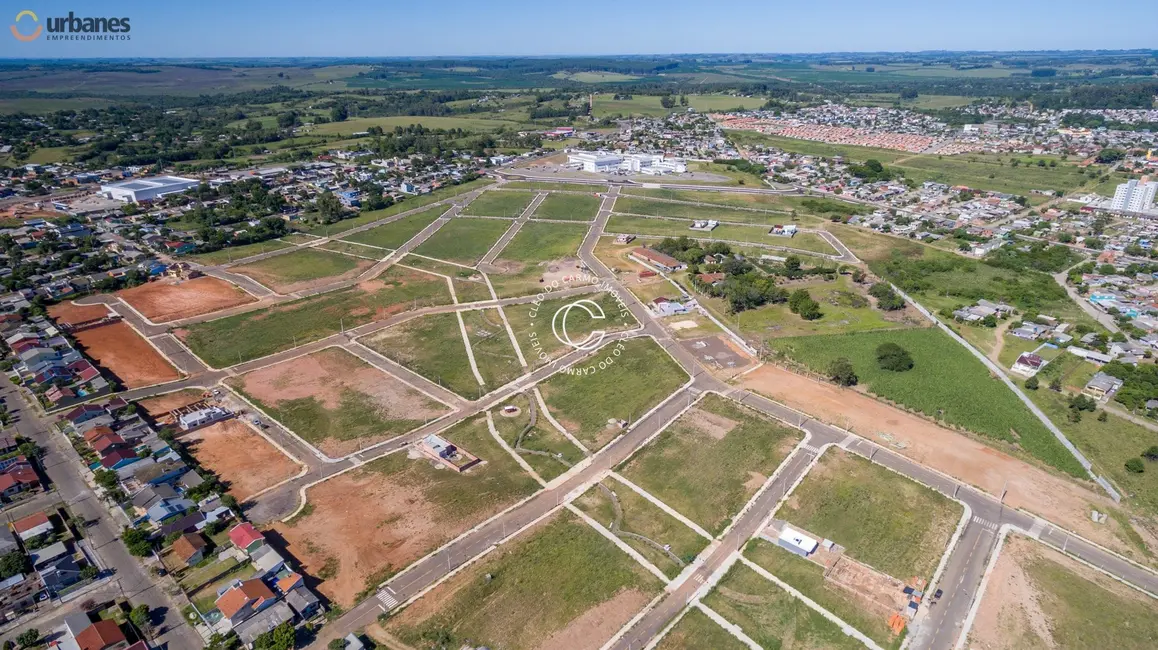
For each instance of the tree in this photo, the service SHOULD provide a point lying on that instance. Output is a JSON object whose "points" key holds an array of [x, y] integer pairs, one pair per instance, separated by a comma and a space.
{"points": [[229, 501], [802, 304], [909, 93], [14, 562], [137, 541], [894, 358], [842, 372], [1055, 384], [1135, 466], [339, 113], [89, 572], [337, 644], [1102, 417], [142, 618], [28, 637], [107, 479], [1031, 383], [1151, 453], [329, 207], [279, 638], [887, 299]]}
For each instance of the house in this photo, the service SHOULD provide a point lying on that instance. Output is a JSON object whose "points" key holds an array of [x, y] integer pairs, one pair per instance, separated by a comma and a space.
{"points": [[353, 642], [303, 601], [1102, 385], [1030, 331], [18, 594], [32, 526], [244, 599], [624, 239], [1027, 364], [119, 458], [664, 307], [190, 548], [102, 635], [267, 561], [202, 417], [258, 624], [18, 476], [711, 279], [246, 537], [166, 509], [655, 258]]}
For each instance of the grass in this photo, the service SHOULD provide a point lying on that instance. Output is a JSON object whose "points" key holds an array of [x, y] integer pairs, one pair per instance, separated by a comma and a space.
{"points": [[719, 213], [243, 337], [396, 233], [463, 240], [808, 579], [946, 383], [537, 585], [353, 250], [355, 125], [656, 227], [885, 520], [532, 324], [410, 203], [585, 397], [194, 577], [227, 255], [469, 285], [767, 202], [771, 616], [695, 631], [707, 471], [542, 438], [570, 207], [649, 105], [499, 204], [563, 187], [493, 352], [642, 517], [301, 265], [431, 346], [542, 242]]}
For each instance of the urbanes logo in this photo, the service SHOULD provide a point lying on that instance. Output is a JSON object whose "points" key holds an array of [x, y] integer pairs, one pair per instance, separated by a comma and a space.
{"points": [[70, 28]]}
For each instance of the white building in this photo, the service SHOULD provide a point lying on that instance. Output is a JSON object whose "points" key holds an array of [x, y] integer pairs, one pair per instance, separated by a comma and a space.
{"points": [[1134, 196], [147, 189], [606, 162], [796, 542]]}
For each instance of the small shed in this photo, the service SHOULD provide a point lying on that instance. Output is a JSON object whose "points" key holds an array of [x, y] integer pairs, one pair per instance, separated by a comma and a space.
{"points": [[797, 542]]}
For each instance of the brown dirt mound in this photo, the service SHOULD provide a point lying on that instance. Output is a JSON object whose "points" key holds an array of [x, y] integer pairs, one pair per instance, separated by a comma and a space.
{"points": [[119, 349], [169, 300], [240, 457], [68, 313]]}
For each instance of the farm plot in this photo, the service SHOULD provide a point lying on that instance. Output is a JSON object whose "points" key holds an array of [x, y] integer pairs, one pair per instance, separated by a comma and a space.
{"points": [[656, 227], [539, 254], [362, 527], [118, 348], [164, 301], [396, 233], [882, 519], [242, 459], [463, 240], [569, 207], [771, 616], [243, 337], [1039, 598], [946, 383], [307, 268], [337, 402], [559, 585], [591, 404], [532, 324], [710, 461], [499, 203], [695, 631], [546, 450]]}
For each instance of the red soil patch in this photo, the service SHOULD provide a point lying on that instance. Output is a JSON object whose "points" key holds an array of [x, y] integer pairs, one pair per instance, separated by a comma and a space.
{"points": [[120, 350], [169, 300], [162, 404], [1058, 499], [241, 457], [68, 313]]}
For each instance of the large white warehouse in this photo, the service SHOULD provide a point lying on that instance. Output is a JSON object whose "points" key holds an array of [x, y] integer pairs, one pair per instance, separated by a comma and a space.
{"points": [[147, 189], [605, 162]]}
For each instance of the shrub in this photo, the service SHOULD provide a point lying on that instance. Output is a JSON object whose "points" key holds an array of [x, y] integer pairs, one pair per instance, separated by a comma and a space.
{"points": [[1151, 453], [891, 356], [1135, 466], [1031, 383], [842, 372]]}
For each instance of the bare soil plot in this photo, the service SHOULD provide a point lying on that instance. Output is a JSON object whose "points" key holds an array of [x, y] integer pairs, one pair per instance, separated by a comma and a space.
{"points": [[711, 460], [240, 457], [558, 585], [336, 401], [160, 405], [69, 313], [695, 631], [364, 526], [1060, 500], [169, 300], [1040, 598], [118, 348], [307, 268]]}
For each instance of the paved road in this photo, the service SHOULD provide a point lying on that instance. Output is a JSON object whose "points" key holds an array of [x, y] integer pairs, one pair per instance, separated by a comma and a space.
{"points": [[1106, 320]]}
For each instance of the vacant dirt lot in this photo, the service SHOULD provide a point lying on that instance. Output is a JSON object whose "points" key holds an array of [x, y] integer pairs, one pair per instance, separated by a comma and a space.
{"points": [[71, 314], [240, 457], [1036, 490], [169, 300], [161, 405], [118, 348]]}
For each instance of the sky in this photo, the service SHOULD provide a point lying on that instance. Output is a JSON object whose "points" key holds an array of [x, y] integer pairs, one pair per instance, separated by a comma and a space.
{"points": [[215, 28]]}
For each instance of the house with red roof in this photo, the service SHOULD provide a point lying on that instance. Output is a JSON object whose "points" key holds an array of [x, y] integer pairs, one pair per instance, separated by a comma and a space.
{"points": [[102, 635], [244, 599], [246, 537], [32, 526]]}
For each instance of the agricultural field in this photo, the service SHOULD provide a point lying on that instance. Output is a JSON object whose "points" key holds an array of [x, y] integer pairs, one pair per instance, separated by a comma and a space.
{"points": [[639, 517], [723, 214], [463, 240], [656, 227], [946, 383], [396, 233], [307, 268], [532, 324], [540, 253], [708, 463], [262, 466], [1039, 598], [336, 401], [649, 105], [431, 346], [540, 439], [568, 207], [695, 631], [244, 337], [228, 255], [406, 506], [884, 520], [499, 204], [126, 355], [639, 378], [167, 300], [771, 616], [558, 585]]}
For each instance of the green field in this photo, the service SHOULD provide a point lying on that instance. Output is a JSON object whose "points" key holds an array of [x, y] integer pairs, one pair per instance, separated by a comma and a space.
{"points": [[463, 239], [493, 352], [585, 397], [641, 517], [656, 227], [563, 187], [719, 213], [354, 125], [946, 383], [243, 337], [544, 242], [396, 233], [768, 202], [710, 461], [540, 439], [499, 204], [469, 285], [771, 616], [532, 324], [227, 255], [538, 584], [410, 203], [431, 346], [304, 265], [649, 105], [352, 249], [570, 207], [695, 631]]}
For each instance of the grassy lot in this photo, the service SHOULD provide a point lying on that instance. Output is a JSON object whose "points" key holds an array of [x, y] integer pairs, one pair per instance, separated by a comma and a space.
{"points": [[542, 437], [642, 517], [532, 324], [463, 240], [881, 518], [431, 346], [808, 578], [243, 337], [573, 207], [564, 187], [194, 577], [649, 105], [299, 266], [542, 242], [641, 376], [771, 616], [354, 250], [873, 247], [710, 461], [721, 213], [558, 572], [655, 227], [409, 203], [496, 358], [397, 233], [227, 255], [769, 202], [946, 383], [469, 285], [499, 204], [357, 124], [695, 631]]}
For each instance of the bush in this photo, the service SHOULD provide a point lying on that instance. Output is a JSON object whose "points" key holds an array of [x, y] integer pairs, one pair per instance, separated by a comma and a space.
{"points": [[887, 299], [28, 637], [1031, 383], [893, 357], [1151, 453], [842, 372], [1135, 466]]}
